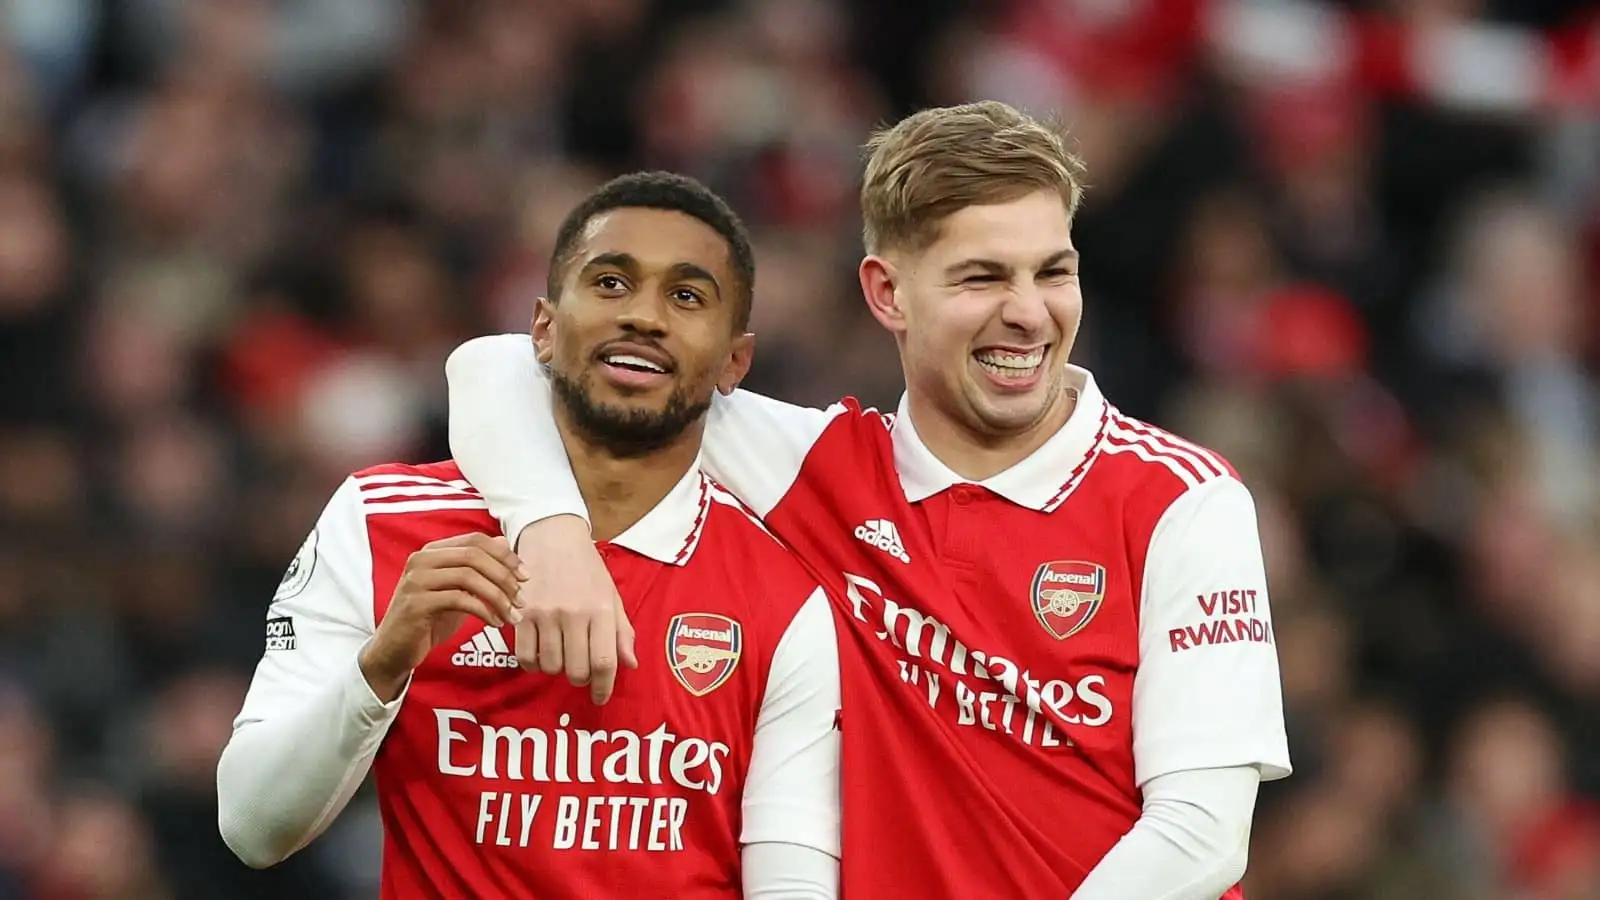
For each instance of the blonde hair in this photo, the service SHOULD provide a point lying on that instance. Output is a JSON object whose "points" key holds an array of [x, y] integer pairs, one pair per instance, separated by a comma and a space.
{"points": [[939, 161]]}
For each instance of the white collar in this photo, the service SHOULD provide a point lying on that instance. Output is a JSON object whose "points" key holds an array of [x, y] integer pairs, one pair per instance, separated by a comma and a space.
{"points": [[1036, 481], [670, 531]]}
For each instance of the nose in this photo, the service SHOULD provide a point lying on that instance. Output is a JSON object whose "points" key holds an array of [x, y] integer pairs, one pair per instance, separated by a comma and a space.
{"points": [[644, 313], [1025, 310]]}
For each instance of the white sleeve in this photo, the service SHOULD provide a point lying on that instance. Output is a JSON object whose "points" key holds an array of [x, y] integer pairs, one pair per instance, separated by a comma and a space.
{"points": [[791, 794], [1191, 842], [755, 445], [310, 725], [503, 435], [788, 872], [1207, 693]]}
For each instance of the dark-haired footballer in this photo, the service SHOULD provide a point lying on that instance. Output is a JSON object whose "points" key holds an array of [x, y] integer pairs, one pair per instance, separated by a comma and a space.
{"points": [[713, 770]]}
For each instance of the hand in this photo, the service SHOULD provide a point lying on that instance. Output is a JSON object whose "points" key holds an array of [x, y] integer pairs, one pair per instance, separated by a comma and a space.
{"points": [[574, 620], [443, 583]]}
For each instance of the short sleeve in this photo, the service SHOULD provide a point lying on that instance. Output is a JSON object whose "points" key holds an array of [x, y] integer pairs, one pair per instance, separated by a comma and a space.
{"points": [[1207, 693], [791, 793]]}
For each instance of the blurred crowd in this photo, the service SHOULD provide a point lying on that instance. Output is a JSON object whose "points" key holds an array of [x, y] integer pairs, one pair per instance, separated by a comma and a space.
{"points": [[238, 237]]}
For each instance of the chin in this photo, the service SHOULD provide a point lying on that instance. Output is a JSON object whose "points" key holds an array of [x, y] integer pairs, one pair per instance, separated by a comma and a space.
{"points": [[1012, 413]]}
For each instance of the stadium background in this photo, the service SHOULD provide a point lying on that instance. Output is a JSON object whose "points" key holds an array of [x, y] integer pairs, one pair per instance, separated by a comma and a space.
{"points": [[1353, 247]]}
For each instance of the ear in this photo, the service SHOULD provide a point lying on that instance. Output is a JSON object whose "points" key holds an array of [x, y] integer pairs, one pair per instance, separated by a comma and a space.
{"points": [[744, 353], [544, 328], [878, 282]]}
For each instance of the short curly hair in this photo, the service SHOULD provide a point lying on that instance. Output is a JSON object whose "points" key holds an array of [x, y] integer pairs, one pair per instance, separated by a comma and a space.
{"points": [[668, 191]]}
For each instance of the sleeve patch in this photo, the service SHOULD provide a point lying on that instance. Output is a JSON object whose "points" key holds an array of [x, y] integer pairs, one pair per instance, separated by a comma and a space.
{"points": [[280, 633], [298, 575]]}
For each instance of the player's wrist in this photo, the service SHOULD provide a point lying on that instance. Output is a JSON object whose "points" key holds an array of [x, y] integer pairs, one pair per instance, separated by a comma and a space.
{"points": [[552, 536], [385, 676]]}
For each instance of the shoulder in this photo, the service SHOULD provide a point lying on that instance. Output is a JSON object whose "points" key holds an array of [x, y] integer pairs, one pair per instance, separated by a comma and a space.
{"points": [[1146, 456], [1152, 468], [733, 530], [849, 430], [851, 412], [749, 554], [401, 495]]}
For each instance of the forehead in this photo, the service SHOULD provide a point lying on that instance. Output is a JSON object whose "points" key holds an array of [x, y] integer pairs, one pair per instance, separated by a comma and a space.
{"points": [[655, 237], [1026, 229]]}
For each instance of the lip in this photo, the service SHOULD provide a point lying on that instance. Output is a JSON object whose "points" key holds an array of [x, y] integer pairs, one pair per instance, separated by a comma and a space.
{"points": [[1011, 348], [644, 351], [634, 380]]}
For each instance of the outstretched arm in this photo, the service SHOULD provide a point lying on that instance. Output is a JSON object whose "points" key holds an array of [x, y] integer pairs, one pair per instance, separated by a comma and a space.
{"points": [[503, 435]]}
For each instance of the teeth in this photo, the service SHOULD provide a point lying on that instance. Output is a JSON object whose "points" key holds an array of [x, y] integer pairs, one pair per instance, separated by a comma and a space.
{"points": [[1002, 362], [634, 362]]}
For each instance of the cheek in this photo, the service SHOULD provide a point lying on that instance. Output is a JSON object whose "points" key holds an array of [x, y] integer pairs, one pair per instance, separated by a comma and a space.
{"points": [[939, 346], [1067, 308]]}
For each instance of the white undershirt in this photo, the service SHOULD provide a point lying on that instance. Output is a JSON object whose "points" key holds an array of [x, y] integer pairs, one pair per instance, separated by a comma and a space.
{"points": [[774, 871], [1191, 841]]}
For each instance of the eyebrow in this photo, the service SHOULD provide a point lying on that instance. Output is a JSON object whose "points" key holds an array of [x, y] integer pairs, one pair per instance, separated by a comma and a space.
{"points": [[995, 267], [615, 260], [691, 272], [627, 262]]}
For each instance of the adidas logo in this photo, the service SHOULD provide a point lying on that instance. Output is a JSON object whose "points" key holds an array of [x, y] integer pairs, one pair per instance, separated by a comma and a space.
{"points": [[486, 650], [882, 534]]}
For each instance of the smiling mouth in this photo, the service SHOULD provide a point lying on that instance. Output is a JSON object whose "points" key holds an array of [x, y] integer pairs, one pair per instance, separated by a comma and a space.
{"points": [[1010, 364], [633, 363]]}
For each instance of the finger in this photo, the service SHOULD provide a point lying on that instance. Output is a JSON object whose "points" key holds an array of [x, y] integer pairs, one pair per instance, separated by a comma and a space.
{"points": [[496, 546], [495, 569], [487, 566], [473, 581], [575, 649], [500, 548], [625, 637], [603, 647], [551, 661], [527, 645], [463, 601]]}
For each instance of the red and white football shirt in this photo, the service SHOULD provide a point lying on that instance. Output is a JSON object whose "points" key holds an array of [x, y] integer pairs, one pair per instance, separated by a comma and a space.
{"points": [[1018, 656], [494, 783]]}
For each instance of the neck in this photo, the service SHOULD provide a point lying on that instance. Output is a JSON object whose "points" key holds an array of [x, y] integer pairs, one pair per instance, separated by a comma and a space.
{"points": [[621, 490], [975, 456]]}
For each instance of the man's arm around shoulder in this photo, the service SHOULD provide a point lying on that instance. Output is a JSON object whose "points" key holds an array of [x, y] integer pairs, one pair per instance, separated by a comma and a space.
{"points": [[504, 437]]}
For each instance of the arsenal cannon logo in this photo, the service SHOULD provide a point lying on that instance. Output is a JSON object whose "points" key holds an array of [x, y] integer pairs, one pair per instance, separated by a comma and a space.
{"points": [[703, 650], [1066, 595]]}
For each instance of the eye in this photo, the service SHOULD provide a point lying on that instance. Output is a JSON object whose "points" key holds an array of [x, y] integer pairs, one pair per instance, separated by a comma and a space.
{"points": [[687, 296], [610, 284], [1058, 274], [981, 280]]}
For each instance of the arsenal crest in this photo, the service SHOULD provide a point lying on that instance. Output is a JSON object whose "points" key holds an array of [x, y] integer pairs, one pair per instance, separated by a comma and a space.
{"points": [[1066, 595], [703, 650]]}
